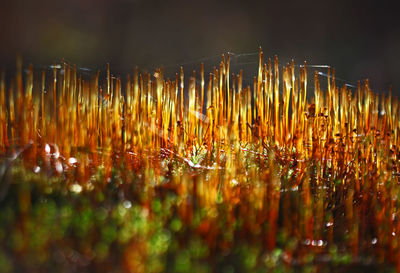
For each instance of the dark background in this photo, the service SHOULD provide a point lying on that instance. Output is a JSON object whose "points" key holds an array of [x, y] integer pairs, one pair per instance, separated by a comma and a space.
{"points": [[361, 39]]}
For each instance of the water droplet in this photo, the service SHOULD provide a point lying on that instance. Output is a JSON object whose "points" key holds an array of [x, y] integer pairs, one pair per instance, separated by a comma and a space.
{"points": [[59, 167], [127, 204], [47, 148], [234, 182], [36, 169], [72, 160], [75, 188]]}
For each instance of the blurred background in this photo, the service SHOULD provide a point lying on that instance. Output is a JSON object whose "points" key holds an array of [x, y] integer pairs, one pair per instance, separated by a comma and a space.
{"points": [[360, 39]]}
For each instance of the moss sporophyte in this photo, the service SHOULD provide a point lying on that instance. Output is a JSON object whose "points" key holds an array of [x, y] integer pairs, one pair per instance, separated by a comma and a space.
{"points": [[197, 173]]}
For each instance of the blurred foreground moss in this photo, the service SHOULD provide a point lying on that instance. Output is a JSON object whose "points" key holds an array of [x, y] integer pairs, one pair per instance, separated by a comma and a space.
{"points": [[46, 225]]}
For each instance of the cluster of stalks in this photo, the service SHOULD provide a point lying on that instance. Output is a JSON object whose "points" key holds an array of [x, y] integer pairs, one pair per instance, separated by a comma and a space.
{"points": [[320, 166]]}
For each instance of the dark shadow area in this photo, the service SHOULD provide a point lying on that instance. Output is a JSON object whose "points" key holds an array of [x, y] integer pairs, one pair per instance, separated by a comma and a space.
{"points": [[361, 39]]}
